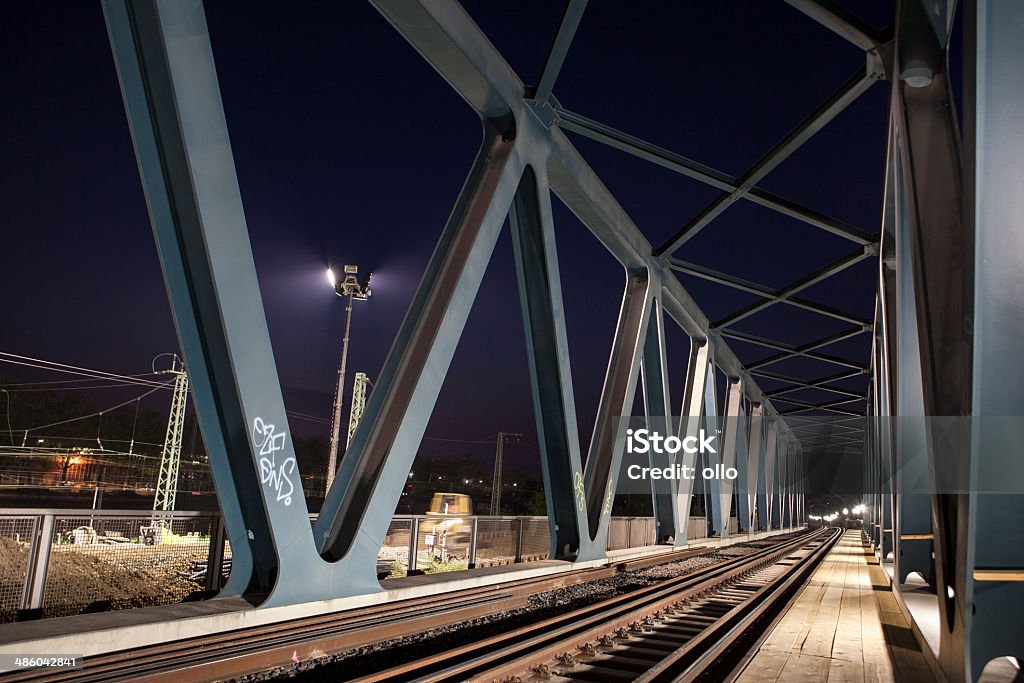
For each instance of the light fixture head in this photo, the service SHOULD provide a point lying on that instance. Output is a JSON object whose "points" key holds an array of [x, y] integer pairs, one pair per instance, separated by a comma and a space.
{"points": [[330, 277]]}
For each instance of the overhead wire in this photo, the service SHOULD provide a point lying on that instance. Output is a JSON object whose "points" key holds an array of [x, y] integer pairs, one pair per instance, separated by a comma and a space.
{"points": [[100, 412], [54, 366]]}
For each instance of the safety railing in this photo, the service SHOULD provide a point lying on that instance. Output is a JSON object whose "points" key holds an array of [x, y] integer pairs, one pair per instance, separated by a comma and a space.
{"points": [[56, 562]]}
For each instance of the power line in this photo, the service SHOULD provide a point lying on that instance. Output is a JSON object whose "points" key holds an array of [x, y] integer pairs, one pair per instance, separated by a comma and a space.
{"points": [[53, 366], [98, 412]]}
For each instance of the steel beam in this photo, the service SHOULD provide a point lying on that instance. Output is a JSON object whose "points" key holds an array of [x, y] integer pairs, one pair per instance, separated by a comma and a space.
{"points": [[570, 21], [840, 21], [818, 119], [677, 163], [540, 295], [994, 146], [658, 414], [698, 369], [761, 290], [800, 285], [617, 398], [805, 349], [930, 202], [172, 98]]}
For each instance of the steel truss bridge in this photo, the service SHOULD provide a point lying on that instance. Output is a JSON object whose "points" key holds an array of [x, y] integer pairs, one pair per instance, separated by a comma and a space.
{"points": [[946, 332]]}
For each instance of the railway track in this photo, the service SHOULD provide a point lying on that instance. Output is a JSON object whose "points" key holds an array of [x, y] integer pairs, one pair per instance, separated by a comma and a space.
{"points": [[230, 654], [680, 629]]}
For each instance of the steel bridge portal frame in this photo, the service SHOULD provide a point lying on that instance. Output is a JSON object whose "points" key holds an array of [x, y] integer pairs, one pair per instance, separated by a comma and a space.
{"points": [[169, 83]]}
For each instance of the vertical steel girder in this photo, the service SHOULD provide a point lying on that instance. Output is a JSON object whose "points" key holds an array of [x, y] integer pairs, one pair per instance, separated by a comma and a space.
{"points": [[717, 520], [755, 469], [658, 413], [912, 525], [540, 294], [771, 519], [691, 417], [992, 563], [733, 439], [930, 202]]}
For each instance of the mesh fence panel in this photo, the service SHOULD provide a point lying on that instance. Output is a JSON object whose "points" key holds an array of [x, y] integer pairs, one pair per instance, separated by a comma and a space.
{"points": [[536, 539], [16, 534], [496, 541], [100, 563], [443, 544], [394, 553]]}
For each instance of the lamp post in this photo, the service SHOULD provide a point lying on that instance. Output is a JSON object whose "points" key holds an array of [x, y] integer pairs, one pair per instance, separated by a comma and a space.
{"points": [[351, 288]]}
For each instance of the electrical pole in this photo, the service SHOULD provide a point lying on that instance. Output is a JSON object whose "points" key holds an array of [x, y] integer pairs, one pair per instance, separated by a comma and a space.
{"points": [[496, 482], [167, 483], [358, 405]]}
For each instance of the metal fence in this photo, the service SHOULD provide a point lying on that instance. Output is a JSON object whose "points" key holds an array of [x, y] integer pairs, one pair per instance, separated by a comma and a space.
{"points": [[62, 562]]}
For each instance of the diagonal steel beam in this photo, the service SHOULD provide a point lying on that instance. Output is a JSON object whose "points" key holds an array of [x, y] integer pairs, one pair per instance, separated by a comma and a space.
{"points": [[721, 278], [559, 48], [677, 163], [761, 290], [828, 407], [800, 285], [804, 384], [826, 311], [824, 404], [790, 350], [841, 21], [847, 93], [806, 348]]}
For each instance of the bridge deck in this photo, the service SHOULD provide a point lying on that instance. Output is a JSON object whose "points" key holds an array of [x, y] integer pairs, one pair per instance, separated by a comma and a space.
{"points": [[844, 626]]}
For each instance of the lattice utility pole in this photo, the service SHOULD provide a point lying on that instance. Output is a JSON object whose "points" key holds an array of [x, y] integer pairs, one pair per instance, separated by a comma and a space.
{"points": [[496, 482], [358, 405], [167, 484]]}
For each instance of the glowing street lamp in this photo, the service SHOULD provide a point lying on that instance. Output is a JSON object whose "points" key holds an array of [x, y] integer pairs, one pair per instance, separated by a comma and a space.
{"points": [[351, 288]]}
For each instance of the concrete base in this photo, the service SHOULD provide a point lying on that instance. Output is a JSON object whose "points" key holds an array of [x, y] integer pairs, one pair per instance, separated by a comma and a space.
{"points": [[96, 634]]}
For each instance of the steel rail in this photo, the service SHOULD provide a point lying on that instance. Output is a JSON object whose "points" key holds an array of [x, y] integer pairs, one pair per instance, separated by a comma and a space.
{"points": [[513, 653], [244, 651]]}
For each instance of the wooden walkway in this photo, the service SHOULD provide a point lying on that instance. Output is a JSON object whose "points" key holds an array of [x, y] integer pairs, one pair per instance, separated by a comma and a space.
{"points": [[844, 626]]}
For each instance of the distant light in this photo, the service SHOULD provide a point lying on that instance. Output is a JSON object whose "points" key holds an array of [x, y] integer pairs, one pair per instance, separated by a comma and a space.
{"points": [[330, 277], [846, 511], [410, 475], [515, 484]]}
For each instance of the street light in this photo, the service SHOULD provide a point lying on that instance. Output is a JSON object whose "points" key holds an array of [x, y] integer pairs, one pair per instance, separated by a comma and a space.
{"points": [[351, 288]]}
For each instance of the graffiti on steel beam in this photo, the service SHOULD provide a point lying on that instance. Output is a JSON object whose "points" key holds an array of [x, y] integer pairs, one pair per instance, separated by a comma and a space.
{"points": [[268, 442], [581, 496]]}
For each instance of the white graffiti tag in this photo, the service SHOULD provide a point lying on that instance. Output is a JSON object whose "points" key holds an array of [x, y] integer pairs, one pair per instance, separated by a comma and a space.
{"points": [[267, 443]]}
